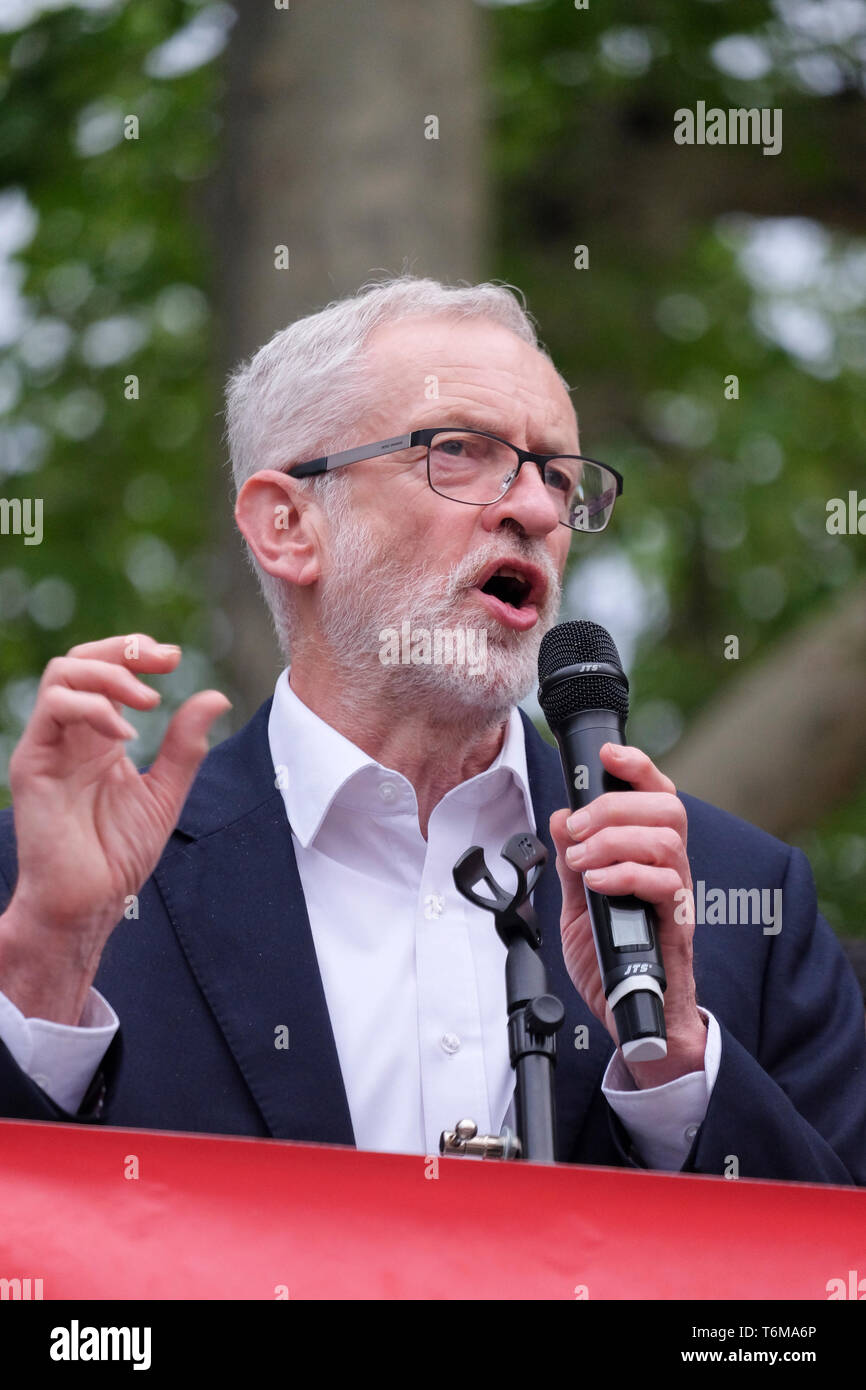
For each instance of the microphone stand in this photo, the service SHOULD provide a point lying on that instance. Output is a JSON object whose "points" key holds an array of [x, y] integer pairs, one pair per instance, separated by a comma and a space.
{"points": [[534, 1016]]}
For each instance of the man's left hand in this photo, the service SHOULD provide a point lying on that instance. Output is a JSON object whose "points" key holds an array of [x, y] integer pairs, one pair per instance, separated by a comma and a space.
{"points": [[634, 842]]}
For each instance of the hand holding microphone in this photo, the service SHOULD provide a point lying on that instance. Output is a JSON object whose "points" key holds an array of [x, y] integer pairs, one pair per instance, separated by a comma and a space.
{"points": [[630, 928]]}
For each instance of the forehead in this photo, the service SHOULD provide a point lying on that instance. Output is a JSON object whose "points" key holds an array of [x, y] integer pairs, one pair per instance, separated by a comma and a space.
{"points": [[423, 366]]}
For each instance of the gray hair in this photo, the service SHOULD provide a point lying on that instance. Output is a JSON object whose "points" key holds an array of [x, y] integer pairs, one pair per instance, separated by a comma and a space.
{"points": [[299, 395]]}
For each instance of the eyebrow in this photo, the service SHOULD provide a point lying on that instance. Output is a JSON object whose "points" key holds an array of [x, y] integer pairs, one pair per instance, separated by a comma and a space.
{"points": [[470, 419]]}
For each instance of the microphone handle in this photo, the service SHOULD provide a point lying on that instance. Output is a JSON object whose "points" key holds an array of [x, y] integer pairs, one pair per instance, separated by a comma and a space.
{"points": [[624, 928]]}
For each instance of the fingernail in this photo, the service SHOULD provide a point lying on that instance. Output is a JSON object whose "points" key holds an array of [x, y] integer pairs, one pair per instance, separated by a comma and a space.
{"points": [[127, 730], [595, 877], [574, 854], [169, 648], [615, 749], [578, 822]]}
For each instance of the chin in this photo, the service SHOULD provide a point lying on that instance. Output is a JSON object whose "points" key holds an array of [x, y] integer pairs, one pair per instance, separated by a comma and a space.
{"points": [[480, 695]]}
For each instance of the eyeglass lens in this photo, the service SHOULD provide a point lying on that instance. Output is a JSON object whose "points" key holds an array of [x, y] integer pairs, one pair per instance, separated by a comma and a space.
{"points": [[469, 467]]}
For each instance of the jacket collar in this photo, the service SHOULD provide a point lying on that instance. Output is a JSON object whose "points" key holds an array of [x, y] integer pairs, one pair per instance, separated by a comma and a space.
{"points": [[317, 766], [232, 890]]}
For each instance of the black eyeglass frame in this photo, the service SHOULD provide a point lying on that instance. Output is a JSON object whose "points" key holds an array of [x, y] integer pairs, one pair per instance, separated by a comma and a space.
{"points": [[313, 467]]}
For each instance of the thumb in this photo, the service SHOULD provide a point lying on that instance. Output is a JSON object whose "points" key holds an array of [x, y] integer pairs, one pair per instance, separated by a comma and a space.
{"points": [[183, 747]]}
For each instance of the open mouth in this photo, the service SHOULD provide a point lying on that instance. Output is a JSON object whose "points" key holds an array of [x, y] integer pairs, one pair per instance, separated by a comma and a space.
{"points": [[508, 586], [511, 592]]}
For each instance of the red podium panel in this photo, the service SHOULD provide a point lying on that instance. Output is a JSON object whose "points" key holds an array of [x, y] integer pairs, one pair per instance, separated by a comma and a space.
{"points": [[100, 1213]]}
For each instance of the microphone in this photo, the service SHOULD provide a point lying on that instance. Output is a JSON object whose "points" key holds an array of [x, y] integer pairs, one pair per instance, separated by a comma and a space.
{"points": [[583, 693]]}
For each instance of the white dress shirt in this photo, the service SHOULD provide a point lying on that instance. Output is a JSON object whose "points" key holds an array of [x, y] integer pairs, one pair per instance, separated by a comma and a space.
{"points": [[413, 974]]}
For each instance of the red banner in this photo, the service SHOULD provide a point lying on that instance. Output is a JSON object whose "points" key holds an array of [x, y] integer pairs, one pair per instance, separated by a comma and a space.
{"points": [[93, 1213]]}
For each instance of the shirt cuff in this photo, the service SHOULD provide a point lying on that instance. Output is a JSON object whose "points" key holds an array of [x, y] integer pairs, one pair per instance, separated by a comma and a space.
{"points": [[61, 1058], [663, 1121]]}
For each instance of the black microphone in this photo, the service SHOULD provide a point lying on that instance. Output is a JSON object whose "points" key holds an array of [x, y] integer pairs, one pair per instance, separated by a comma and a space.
{"points": [[583, 693]]}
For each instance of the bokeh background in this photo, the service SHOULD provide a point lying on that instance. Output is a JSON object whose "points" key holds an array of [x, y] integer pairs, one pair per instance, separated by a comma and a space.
{"points": [[154, 156]]}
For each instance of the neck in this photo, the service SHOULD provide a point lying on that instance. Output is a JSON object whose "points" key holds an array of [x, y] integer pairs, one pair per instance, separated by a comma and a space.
{"points": [[434, 751]]}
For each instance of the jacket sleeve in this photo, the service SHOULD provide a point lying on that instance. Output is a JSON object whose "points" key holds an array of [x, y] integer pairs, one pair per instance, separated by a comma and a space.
{"points": [[797, 1110], [794, 1108], [20, 1097]]}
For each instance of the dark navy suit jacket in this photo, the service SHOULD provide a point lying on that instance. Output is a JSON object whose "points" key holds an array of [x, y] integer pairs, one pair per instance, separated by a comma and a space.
{"points": [[221, 955]]}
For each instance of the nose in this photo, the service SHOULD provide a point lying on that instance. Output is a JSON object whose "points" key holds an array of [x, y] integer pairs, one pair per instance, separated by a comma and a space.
{"points": [[528, 501]]}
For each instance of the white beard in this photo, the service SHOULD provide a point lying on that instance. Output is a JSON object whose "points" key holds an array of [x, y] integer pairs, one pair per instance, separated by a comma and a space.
{"points": [[369, 591]]}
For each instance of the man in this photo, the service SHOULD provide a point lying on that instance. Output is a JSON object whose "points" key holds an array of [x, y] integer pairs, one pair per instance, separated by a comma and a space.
{"points": [[301, 965]]}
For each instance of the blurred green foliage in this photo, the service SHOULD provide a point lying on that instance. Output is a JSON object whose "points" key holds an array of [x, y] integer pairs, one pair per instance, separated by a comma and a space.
{"points": [[116, 283], [702, 265]]}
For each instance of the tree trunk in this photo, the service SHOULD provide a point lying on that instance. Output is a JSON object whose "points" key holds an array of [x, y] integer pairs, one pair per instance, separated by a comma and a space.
{"points": [[787, 742], [325, 153]]}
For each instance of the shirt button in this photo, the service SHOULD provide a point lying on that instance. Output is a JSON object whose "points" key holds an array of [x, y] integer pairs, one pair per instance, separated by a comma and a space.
{"points": [[40, 1079], [387, 791], [450, 1043], [434, 906], [691, 1132]]}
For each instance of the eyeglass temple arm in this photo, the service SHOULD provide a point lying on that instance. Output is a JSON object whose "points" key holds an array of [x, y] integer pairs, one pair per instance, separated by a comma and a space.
{"points": [[365, 451]]}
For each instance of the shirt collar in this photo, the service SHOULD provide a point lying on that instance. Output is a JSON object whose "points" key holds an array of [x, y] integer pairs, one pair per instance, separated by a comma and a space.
{"points": [[313, 763]]}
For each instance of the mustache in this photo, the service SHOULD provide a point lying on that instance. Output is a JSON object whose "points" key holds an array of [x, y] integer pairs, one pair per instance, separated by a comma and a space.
{"points": [[466, 572]]}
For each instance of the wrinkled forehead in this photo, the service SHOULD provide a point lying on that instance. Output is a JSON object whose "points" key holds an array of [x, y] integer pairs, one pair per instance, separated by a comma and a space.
{"points": [[422, 366]]}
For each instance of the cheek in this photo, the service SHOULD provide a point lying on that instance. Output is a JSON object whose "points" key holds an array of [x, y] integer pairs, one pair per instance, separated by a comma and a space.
{"points": [[405, 498], [441, 526], [560, 548]]}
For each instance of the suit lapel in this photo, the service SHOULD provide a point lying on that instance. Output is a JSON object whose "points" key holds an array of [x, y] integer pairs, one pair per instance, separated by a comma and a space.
{"points": [[231, 886], [579, 1070], [230, 883]]}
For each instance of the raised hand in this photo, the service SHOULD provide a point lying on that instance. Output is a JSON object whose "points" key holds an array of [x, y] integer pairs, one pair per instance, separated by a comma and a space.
{"points": [[89, 827]]}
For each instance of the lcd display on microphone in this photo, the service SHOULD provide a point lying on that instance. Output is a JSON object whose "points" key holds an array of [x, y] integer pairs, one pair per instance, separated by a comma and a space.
{"points": [[628, 929]]}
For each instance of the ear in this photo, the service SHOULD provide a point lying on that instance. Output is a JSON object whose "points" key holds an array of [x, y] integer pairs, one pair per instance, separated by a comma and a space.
{"points": [[281, 524]]}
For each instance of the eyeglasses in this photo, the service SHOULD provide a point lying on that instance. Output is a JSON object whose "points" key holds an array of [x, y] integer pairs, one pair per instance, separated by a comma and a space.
{"points": [[477, 469]]}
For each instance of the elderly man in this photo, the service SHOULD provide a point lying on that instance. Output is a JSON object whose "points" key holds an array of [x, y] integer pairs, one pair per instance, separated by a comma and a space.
{"points": [[297, 962]]}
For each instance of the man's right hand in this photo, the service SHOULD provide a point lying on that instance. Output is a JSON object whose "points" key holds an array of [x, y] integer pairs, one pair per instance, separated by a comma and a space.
{"points": [[89, 827]]}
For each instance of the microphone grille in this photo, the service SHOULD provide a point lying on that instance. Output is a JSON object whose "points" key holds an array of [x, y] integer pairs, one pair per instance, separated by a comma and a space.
{"points": [[570, 644]]}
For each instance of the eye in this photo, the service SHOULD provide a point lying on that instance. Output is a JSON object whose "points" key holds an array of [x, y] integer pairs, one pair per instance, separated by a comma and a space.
{"points": [[557, 478]]}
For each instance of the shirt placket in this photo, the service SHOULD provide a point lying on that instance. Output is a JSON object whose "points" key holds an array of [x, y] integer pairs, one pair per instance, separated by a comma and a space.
{"points": [[453, 1079]]}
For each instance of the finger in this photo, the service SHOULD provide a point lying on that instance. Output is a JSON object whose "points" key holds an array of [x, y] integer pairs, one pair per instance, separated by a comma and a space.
{"points": [[184, 745], [101, 677], [652, 885], [629, 808], [634, 766], [571, 883], [60, 708], [559, 831], [654, 845], [136, 650]]}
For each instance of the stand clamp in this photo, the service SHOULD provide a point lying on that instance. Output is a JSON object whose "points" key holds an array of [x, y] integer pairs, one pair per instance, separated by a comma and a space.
{"points": [[466, 1140], [534, 1016]]}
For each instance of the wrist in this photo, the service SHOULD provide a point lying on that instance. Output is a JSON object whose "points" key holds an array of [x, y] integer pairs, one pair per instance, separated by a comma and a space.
{"points": [[685, 1054], [47, 971]]}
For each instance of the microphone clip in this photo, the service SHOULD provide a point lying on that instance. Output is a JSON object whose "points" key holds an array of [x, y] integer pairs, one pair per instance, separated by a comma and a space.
{"points": [[534, 1016], [513, 913]]}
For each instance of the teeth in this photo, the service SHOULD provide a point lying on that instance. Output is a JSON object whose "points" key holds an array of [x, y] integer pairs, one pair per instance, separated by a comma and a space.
{"points": [[506, 573]]}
